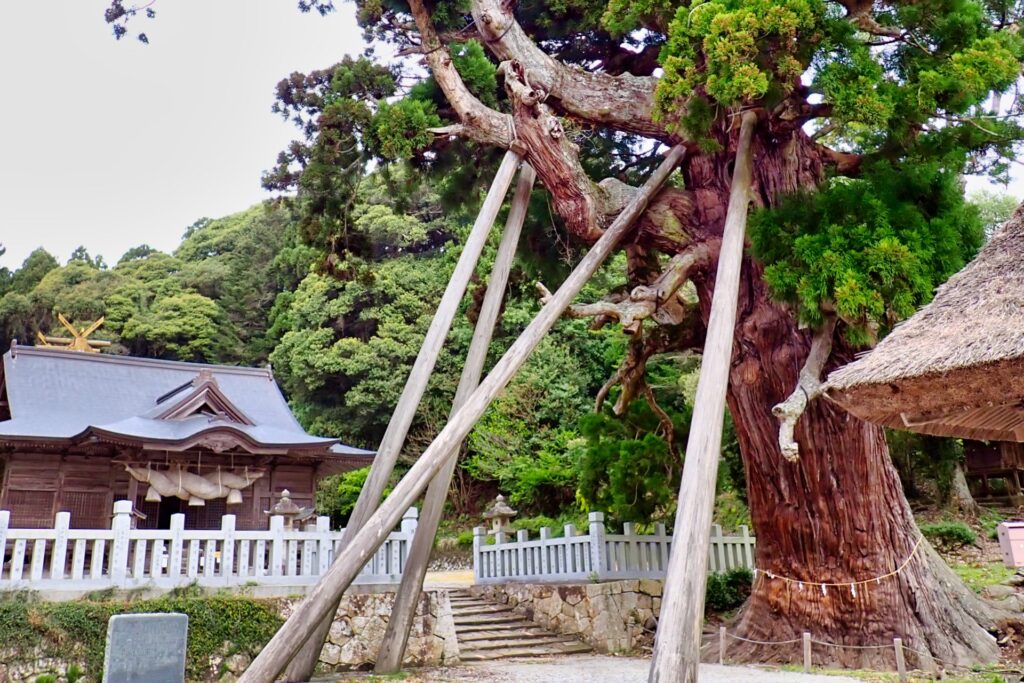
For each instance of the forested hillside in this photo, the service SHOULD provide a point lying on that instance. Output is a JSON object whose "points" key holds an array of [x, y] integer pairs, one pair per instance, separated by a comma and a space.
{"points": [[335, 283], [342, 329]]}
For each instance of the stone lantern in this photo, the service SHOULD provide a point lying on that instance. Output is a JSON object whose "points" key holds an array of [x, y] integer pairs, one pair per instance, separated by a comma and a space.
{"points": [[286, 507], [500, 515]]}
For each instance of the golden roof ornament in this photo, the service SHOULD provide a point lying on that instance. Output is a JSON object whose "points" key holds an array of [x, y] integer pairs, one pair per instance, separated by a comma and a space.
{"points": [[79, 340]]}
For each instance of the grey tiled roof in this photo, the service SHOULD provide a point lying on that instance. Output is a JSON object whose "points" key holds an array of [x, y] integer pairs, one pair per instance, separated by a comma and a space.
{"points": [[62, 395]]}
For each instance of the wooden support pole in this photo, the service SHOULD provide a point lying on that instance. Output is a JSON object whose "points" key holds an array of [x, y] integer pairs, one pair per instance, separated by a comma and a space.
{"points": [[302, 666], [322, 599], [807, 652], [901, 665], [721, 645], [392, 649], [677, 643]]}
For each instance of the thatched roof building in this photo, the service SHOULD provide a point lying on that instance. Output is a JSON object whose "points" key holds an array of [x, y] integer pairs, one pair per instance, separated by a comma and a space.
{"points": [[955, 368]]}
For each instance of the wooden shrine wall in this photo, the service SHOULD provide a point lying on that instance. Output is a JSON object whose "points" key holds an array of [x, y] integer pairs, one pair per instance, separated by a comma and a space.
{"points": [[37, 485]]}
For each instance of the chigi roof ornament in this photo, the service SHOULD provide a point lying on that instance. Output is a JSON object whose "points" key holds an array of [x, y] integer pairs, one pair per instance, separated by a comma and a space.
{"points": [[79, 340]]}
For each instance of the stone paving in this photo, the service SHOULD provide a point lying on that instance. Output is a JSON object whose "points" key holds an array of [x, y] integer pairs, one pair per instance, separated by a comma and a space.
{"points": [[594, 669]]}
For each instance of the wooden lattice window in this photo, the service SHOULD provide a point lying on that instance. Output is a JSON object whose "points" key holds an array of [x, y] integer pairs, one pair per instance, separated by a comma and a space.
{"points": [[88, 509], [151, 510], [31, 509], [207, 516]]}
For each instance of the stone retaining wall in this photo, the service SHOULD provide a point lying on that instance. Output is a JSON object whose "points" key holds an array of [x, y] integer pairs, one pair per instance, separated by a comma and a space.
{"points": [[614, 616], [354, 639], [361, 620]]}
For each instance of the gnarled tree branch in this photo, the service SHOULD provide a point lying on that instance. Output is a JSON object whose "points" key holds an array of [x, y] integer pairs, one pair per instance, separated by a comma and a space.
{"points": [[658, 301], [624, 102], [809, 386], [479, 122]]}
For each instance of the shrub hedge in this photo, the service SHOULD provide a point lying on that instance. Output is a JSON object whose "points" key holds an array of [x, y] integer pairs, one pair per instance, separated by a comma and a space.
{"points": [[76, 630]]}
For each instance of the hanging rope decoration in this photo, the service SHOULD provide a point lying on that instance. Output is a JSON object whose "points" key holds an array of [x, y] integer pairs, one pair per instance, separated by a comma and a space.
{"points": [[825, 585], [194, 488]]}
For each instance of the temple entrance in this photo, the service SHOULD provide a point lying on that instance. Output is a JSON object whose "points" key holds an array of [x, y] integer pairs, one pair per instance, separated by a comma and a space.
{"points": [[166, 508]]}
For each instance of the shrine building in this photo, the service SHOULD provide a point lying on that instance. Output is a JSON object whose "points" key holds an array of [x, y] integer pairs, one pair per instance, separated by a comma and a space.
{"points": [[79, 430]]}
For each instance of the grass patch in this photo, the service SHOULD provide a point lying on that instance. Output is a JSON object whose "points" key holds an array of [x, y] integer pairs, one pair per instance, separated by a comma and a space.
{"points": [[978, 576], [913, 677]]}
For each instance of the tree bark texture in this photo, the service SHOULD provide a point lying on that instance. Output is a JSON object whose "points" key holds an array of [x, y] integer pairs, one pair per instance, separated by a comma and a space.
{"points": [[838, 514]]}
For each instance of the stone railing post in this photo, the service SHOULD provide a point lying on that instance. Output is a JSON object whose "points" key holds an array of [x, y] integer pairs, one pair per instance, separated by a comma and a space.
{"points": [[522, 536], [597, 554], [410, 520], [479, 534], [545, 551], [325, 547], [121, 526], [227, 550], [630, 549], [663, 547], [277, 545], [747, 547], [61, 525], [177, 550], [569, 562], [500, 566]]}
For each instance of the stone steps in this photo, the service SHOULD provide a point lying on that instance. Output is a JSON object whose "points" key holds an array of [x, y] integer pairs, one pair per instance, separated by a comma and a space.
{"points": [[537, 641], [502, 618], [535, 651], [489, 631], [472, 610], [514, 626], [485, 633]]}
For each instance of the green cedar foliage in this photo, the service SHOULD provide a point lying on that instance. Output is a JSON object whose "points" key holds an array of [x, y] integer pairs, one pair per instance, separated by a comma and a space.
{"points": [[871, 249]]}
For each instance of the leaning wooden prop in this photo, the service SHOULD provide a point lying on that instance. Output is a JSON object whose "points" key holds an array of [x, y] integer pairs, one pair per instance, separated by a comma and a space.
{"points": [[323, 598], [302, 666], [396, 637], [677, 644]]}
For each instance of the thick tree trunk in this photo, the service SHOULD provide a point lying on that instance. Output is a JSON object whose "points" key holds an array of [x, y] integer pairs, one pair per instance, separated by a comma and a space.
{"points": [[837, 515], [960, 498]]}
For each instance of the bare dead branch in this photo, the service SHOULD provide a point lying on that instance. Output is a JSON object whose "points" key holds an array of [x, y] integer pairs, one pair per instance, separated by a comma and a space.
{"points": [[480, 122], [666, 422], [808, 387], [624, 102], [858, 13], [686, 337], [658, 301]]}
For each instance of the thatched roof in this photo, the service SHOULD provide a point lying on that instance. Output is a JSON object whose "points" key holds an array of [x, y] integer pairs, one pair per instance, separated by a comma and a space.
{"points": [[956, 367]]}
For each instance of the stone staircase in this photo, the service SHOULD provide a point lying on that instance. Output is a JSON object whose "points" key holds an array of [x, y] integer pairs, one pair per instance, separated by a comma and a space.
{"points": [[486, 630]]}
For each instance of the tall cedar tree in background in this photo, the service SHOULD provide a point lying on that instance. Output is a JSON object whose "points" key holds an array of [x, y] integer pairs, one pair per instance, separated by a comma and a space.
{"points": [[868, 114]]}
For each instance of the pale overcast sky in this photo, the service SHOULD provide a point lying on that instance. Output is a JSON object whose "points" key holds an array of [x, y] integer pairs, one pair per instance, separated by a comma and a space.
{"points": [[113, 144]]}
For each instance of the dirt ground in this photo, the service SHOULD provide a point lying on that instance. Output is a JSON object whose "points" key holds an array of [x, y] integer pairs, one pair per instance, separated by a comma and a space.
{"points": [[587, 669]]}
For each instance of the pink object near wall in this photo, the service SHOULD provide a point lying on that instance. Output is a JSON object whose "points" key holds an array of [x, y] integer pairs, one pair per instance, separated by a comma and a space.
{"points": [[1011, 543]]}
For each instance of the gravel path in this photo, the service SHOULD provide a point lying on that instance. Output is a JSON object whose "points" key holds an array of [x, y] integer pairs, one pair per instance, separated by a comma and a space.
{"points": [[597, 669]]}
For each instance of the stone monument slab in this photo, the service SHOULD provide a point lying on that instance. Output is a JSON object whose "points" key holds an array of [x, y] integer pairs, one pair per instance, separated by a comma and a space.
{"points": [[146, 648]]}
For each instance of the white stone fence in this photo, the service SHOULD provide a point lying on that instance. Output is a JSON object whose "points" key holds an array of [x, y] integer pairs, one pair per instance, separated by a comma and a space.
{"points": [[67, 560], [596, 555]]}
